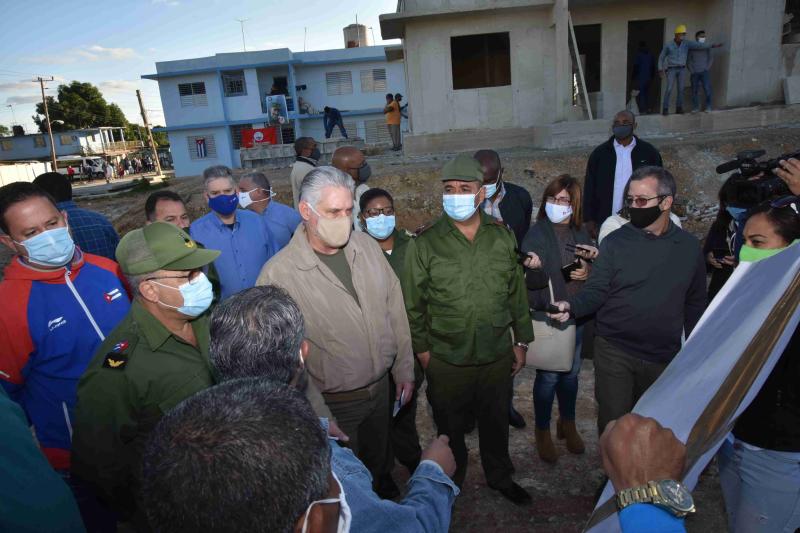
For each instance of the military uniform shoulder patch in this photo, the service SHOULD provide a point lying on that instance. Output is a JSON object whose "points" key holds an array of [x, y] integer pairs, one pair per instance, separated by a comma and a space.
{"points": [[425, 227], [409, 234], [117, 358]]}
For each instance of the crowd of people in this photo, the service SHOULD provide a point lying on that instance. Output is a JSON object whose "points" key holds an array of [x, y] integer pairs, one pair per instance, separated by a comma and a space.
{"points": [[260, 368]]}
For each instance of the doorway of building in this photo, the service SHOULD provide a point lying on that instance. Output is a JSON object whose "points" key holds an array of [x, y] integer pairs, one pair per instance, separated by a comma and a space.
{"points": [[645, 40]]}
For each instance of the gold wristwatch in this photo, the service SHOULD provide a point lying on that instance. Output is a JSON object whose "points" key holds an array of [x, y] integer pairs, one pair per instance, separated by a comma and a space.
{"points": [[666, 493]]}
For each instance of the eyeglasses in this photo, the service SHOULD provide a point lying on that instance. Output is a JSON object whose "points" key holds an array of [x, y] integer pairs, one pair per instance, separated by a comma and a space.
{"points": [[558, 201], [375, 211], [640, 201]]}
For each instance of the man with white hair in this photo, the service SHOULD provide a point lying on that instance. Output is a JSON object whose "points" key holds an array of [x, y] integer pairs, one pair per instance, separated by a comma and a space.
{"points": [[356, 323], [242, 238]]}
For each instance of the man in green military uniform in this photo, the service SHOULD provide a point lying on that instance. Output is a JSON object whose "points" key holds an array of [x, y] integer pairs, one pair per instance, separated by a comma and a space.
{"points": [[465, 294], [377, 218], [155, 358]]}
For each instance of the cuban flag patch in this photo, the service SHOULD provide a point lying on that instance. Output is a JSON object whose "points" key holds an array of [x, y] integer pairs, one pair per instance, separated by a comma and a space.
{"points": [[113, 295], [120, 346]]}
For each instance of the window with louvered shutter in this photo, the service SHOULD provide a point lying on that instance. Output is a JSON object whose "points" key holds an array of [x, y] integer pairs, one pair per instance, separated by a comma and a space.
{"points": [[234, 84], [210, 147], [376, 132], [193, 94], [339, 82], [7, 145], [373, 80], [236, 135]]}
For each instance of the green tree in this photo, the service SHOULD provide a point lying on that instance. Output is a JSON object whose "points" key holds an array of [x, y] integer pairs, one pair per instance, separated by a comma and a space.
{"points": [[5, 131], [79, 105]]}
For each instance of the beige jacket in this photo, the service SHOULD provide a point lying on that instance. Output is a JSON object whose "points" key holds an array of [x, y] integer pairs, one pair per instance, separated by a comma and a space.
{"points": [[299, 171], [352, 345]]}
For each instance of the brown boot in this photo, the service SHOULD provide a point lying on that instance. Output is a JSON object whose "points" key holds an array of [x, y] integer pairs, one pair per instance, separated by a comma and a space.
{"points": [[544, 445], [565, 429]]}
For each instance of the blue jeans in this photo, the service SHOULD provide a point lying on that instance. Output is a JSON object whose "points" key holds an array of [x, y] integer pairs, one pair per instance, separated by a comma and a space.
{"points": [[698, 78], [761, 488], [675, 78], [548, 385], [330, 124]]}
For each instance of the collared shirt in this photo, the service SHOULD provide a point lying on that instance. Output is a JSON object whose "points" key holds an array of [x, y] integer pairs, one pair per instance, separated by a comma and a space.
{"points": [[674, 55], [281, 220], [92, 232], [140, 372], [622, 172], [245, 248], [464, 297], [699, 60], [492, 207], [427, 506]]}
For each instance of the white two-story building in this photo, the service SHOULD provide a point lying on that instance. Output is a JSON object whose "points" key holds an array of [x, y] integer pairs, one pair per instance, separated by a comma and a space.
{"points": [[209, 101], [104, 141]]}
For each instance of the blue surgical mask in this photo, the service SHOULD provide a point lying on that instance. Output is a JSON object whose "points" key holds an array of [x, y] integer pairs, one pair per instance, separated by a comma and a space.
{"points": [[381, 226], [51, 248], [736, 212], [224, 204], [459, 206], [491, 188], [197, 295]]}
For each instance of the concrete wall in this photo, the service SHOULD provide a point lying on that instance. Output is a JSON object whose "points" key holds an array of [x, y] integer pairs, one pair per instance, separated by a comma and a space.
{"points": [[459, 5], [316, 92], [529, 100], [614, 18], [21, 172], [186, 166], [175, 115], [247, 106]]}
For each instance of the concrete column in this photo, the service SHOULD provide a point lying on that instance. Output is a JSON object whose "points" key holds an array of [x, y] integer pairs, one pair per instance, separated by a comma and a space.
{"points": [[563, 60], [754, 49]]}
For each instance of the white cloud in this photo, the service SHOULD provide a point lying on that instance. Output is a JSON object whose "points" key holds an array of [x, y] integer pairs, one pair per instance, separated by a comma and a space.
{"points": [[21, 85], [118, 86], [27, 99], [98, 53]]}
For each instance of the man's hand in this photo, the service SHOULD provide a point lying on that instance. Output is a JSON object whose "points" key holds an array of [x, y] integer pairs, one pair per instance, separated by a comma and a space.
{"points": [[563, 316], [336, 432], [789, 172], [520, 356], [401, 388], [582, 273], [711, 260], [586, 252], [729, 260], [424, 359], [440, 453], [635, 450], [533, 261]]}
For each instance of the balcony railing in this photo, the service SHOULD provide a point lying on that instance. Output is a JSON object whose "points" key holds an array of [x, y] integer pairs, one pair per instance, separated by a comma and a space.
{"points": [[119, 146]]}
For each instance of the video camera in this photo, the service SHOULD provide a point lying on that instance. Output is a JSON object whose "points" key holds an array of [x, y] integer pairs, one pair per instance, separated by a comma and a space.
{"points": [[744, 189]]}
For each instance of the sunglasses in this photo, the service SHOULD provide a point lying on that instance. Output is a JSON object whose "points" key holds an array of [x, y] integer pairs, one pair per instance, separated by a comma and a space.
{"points": [[639, 201]]}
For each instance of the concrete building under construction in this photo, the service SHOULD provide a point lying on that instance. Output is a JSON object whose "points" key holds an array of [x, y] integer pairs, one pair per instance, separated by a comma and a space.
{"points": [[526, 72]]}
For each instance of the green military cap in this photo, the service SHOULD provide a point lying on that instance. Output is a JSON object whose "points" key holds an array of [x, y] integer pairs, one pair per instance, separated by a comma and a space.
{"points": [[463, 168], [160, 246]]}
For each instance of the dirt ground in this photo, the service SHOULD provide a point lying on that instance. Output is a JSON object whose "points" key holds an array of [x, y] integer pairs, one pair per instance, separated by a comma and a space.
{"points": [[563, 494]]}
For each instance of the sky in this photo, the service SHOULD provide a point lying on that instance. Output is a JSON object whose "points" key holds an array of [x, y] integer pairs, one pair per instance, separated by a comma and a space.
{"points": [[112, 43]]}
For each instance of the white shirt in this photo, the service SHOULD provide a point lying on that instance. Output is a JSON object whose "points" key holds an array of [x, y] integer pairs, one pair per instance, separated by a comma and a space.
{"points": [[622, 173]]}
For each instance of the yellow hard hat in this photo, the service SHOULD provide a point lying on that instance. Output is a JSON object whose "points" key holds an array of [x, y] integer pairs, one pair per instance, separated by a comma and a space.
{"points": [[681, 28]]}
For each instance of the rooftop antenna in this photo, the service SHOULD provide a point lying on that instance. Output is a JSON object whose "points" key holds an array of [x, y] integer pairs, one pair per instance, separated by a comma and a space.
{"points": [[241, 23], [305, 37]]}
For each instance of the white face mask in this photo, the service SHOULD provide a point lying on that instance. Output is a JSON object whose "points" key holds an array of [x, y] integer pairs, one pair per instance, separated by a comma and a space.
{"points": [[557, 213], [701, 40], [245, 199], [345, 516]]}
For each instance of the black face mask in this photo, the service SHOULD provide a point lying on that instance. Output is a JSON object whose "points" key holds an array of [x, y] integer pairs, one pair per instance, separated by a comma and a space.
{"points": [[641, 217], [315, 155], [364, 172], [623, 131]]}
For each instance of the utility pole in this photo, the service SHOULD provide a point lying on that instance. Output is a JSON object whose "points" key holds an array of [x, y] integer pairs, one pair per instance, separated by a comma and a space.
{"points": [[241, 23], [156, 162], [41, 81]]}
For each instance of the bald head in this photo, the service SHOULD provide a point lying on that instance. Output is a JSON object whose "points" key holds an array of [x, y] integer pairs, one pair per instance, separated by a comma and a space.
{"points": [[625, 116], [349, 159], [490, 165]]}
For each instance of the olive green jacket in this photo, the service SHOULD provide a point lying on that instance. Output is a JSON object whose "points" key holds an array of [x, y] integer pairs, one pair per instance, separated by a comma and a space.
{"points": [[465, 298], [403, 242], [138, 373]]}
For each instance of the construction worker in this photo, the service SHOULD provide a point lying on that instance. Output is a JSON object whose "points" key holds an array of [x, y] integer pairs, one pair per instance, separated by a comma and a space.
{"points": [[672, 65]]}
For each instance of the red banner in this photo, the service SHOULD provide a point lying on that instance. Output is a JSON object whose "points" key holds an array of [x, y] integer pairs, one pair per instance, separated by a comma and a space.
{"points": [[253, 137]]}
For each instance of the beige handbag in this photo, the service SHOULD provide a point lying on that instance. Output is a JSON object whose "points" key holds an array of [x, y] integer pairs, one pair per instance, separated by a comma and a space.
{"points": [[553, 346]]}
